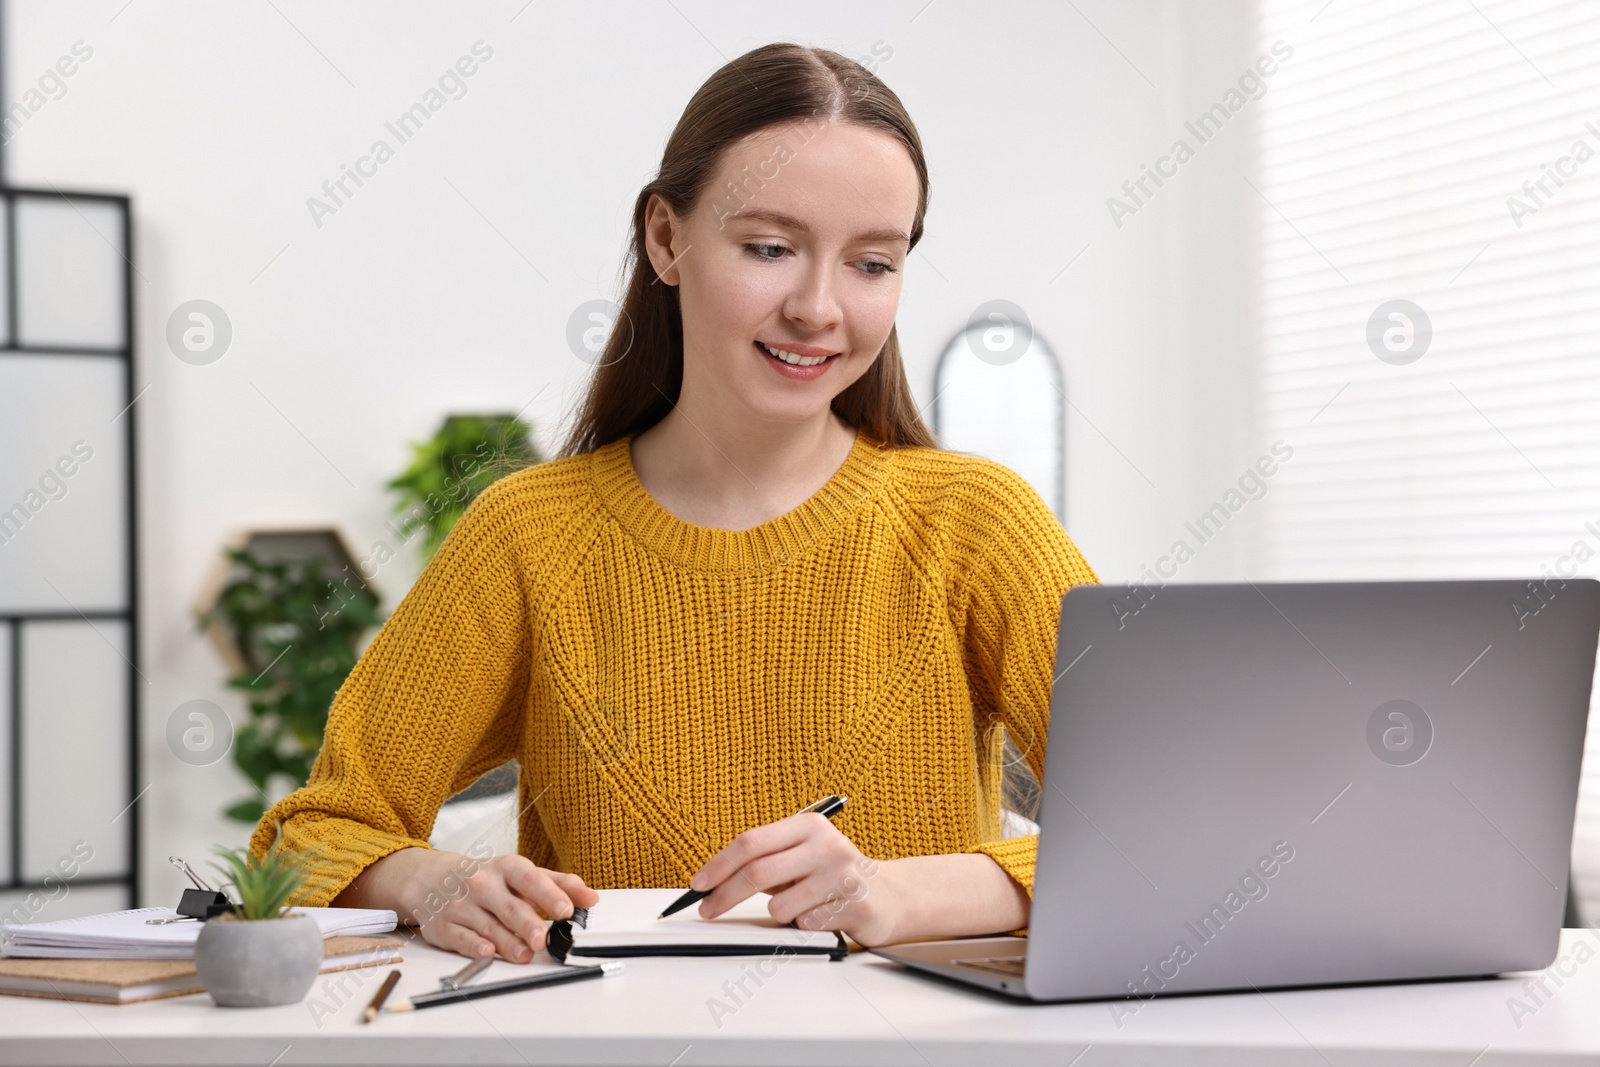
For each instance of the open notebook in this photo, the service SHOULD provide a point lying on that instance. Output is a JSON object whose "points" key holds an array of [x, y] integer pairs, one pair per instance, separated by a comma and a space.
{"points": [[126, 934], [624, 925]]}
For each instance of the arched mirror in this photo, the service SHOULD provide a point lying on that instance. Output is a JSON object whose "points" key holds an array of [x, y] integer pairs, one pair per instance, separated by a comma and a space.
{"points": [[1004, 406]]}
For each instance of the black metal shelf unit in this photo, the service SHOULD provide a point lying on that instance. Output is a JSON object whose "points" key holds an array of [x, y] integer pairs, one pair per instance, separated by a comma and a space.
{"points": [[16, 621]]}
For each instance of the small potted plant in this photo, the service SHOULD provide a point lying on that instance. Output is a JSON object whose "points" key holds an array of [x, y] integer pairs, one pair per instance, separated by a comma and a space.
{"points": [[260, 954]]}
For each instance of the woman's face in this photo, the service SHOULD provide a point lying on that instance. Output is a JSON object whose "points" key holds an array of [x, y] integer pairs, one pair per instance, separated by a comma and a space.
{"points": [[796, 244]]}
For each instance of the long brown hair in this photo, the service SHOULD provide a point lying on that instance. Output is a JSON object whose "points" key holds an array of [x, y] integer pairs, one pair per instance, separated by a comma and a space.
{"points": [[640, 372]]}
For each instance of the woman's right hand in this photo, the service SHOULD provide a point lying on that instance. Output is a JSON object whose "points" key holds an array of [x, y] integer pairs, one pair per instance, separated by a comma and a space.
{"points": [[476, 907]]}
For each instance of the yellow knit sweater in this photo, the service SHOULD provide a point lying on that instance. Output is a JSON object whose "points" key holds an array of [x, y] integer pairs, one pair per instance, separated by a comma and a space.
{"points": [[665, 686]]}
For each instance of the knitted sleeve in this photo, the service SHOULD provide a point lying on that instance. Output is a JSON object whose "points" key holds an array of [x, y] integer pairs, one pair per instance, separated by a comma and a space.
{"points": [[1017, 562], [435, 700]]}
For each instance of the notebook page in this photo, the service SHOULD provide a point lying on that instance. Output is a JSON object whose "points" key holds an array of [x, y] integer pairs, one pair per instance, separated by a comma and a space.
{"points": [[628, 917]]}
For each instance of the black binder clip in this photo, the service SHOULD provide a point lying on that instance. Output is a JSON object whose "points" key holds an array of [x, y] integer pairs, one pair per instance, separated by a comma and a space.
{"points": [[558, 939], [200, 903]]}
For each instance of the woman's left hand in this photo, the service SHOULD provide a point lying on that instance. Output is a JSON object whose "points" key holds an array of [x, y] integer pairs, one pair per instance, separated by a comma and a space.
{"points": [[817, 877]]}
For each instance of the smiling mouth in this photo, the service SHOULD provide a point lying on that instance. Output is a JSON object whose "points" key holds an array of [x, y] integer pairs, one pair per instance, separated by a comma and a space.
{"points": [[791, 358]]}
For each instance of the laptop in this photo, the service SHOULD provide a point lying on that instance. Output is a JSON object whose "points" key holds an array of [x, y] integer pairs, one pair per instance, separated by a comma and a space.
{"points": [[1254, 785]]}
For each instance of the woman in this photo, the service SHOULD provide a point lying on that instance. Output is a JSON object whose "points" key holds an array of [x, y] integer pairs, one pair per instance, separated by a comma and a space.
{"points": [[750, 580]]}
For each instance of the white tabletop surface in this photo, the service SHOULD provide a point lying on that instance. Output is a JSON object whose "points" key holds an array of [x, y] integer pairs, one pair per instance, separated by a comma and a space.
{"points": [[864, 1010]]}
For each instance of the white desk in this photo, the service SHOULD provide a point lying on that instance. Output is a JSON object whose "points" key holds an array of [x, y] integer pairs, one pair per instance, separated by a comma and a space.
{"points": [[861, 1011]]}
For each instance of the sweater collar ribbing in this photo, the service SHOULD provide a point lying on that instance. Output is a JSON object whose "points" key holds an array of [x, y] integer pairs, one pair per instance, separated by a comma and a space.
{"points": [[707, 548]]}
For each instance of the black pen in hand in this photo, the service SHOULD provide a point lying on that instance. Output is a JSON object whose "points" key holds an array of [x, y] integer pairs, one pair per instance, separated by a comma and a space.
{"points": [[828, 806]]}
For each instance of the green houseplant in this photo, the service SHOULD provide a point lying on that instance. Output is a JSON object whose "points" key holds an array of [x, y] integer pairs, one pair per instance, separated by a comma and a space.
{"points": [[300, 634], [465, 455], [260, 955]]}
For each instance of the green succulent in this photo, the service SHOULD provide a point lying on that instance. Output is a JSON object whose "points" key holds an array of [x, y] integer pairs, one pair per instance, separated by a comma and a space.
{"points": [[264, 887]]}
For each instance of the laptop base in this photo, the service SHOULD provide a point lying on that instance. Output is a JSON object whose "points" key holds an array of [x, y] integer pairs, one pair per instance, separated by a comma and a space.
{"points": [[990, 962]]}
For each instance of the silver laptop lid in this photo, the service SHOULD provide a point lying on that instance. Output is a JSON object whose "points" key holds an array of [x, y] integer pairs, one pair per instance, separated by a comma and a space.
{"points": [[1266, 784]]}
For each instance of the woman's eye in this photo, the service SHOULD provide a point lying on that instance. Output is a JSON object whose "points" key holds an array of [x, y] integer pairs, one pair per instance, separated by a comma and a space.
{"points": [[759, 251]]}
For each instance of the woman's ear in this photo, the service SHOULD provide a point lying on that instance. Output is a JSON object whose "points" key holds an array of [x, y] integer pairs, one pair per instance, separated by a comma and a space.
{"points": [[662, 233]]}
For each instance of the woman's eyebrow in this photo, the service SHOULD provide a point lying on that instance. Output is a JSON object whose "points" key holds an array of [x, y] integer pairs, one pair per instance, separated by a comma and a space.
{"points": [[778, 218]]}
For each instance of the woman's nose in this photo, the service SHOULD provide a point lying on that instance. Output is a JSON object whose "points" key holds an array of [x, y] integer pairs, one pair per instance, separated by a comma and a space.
{"points": [[815, 302]]}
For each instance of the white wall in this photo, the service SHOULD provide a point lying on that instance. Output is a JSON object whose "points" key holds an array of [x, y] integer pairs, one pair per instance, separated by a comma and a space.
{"points": [[221, 120]]}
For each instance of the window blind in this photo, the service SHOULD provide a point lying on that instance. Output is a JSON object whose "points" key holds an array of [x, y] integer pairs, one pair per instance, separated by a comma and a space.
{"points": [[1447, 155]]}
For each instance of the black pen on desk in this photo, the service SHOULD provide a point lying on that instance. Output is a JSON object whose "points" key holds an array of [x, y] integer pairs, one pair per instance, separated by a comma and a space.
{"points": [[829, 806], [510, 985]]}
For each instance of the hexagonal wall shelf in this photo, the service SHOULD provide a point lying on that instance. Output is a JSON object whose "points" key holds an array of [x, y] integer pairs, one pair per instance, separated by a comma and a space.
{"points": [[271, 546]]}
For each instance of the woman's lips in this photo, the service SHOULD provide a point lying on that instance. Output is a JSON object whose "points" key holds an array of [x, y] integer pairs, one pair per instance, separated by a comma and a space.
{"points": [[790, 370]]}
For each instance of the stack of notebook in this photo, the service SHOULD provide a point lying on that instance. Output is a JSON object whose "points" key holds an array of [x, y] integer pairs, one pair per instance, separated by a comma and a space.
{"points": [[119, 957], [120, 935]]}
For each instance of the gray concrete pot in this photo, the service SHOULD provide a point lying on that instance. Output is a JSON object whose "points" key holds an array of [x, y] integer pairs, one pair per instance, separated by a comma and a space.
{"points": [[258, 963]]}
